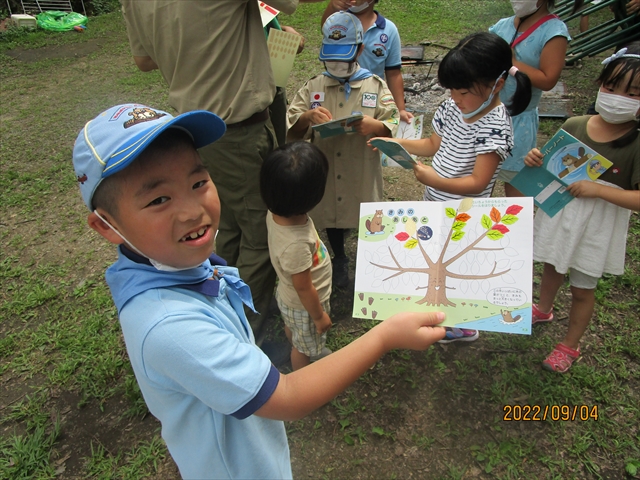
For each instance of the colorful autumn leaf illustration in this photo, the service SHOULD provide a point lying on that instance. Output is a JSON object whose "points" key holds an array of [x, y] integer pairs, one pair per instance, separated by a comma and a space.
{"points": [[495, 228]]}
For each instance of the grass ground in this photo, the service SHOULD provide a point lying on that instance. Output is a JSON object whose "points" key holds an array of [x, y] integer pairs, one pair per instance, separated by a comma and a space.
{"points": [[70, 406]]}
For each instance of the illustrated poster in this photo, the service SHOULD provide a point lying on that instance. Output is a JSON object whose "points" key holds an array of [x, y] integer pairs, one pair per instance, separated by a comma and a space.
{"points": [[471, 259]]}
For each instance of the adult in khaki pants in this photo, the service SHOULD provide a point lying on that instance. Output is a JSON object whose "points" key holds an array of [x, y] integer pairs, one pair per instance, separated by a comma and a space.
{"points": [[213, 55]]}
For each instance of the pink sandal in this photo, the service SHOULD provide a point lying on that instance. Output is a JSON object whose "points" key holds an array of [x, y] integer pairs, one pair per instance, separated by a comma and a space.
{"points": [[538, 317], [561, 359]]}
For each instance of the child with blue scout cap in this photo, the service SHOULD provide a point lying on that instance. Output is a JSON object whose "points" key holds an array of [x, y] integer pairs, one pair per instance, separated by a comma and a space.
{"points": [[355, 173], [219, 399], [382, 54]]}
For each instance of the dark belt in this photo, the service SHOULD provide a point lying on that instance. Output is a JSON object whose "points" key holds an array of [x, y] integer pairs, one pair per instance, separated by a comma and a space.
{"points": [[255, 118]]}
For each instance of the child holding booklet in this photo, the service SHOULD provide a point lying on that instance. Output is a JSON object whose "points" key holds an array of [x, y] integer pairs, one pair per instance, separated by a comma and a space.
{"points": [[597, 220], [355, 173], [472, 130]]}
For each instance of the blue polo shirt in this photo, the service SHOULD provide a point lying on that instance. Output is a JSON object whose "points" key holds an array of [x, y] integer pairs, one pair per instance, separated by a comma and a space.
{"points": [[199, 370], [381, 47]]}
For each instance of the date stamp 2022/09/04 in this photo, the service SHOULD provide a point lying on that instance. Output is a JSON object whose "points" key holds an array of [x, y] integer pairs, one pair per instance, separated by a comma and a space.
{"points": [[540, 413]]}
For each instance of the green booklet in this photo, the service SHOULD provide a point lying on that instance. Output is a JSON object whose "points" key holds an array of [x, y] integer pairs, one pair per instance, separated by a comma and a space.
{"points": [[394, 151], [566, 160], [338, 126]]}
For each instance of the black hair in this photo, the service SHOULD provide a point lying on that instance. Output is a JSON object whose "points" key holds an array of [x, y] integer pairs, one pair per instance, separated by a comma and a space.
{"points": [[480, 59], [615, 71], [614, 74], [108, 191], [293, 178]]}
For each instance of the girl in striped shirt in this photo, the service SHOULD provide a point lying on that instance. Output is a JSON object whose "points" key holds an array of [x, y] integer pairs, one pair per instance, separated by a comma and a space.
{"points": [[472, 129]]}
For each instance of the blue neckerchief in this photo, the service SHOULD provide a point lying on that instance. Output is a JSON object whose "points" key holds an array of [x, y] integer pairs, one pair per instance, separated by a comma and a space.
{"points": [[133, 274], [359, 74]]}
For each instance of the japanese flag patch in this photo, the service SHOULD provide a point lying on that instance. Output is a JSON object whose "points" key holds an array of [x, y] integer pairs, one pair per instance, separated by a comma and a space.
{"points": [[370, 100], [316, 97]]}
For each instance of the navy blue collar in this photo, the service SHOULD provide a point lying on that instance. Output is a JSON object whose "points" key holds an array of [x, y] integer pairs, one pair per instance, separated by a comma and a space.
{"points": [[381, 22]]}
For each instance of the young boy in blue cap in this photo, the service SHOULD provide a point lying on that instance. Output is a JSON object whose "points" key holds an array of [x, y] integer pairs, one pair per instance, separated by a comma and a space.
{"points": [[382, 53], [220, 401], [355, 172]]}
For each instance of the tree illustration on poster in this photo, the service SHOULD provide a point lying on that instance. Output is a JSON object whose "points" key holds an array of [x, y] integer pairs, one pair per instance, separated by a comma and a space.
{"points": [[495, 228]]}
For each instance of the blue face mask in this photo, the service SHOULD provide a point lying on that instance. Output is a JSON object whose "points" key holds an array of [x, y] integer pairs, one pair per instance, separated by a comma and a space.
{"points": [[486, 103]]}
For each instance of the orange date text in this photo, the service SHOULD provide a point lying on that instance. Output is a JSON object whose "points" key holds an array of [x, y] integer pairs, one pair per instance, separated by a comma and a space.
{"points": [[540, 413]]}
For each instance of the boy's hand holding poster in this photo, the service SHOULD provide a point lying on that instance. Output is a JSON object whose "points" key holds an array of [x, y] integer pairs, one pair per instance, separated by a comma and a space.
{"points": [[566, 160], [338, 126], [471, 259]]}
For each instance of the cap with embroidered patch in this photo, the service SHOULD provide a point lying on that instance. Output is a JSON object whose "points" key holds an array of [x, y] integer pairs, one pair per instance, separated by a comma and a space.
{"points": [[115, 138], [341, 36]]}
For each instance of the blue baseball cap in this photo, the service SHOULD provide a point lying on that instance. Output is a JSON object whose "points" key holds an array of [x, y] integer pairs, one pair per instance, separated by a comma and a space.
{"points": [[341, 36], [115, 138]]}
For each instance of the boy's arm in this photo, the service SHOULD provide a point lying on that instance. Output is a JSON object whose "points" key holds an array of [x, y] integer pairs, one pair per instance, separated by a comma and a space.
{"points": [[396, 86], [309, 297], [303, 391], [483, 170]]}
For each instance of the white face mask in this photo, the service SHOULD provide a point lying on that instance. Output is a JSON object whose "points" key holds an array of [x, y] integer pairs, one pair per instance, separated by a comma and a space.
{"points": [[155, 263], [341, 69], [359, 8], [523, 8], [616, 108], [486, 103]]}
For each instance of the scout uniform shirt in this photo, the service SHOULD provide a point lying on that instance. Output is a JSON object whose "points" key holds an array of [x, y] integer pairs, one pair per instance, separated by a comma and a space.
{"points": [[355, 172]]}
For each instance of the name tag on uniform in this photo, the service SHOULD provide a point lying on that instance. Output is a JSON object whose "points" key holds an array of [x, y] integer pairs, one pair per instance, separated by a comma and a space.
{"points": [[370, 100]]}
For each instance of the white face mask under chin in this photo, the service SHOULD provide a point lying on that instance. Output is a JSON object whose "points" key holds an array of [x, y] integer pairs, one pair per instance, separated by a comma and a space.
{"points": [[341, 69], [160, 266], [524, 8], [616, 109]]}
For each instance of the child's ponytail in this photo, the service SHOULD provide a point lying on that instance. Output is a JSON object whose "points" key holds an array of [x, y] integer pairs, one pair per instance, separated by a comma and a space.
{"points": [[522, 95], [480, 59]]}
